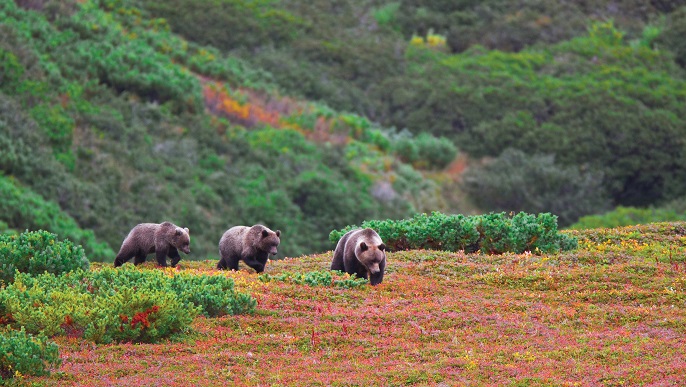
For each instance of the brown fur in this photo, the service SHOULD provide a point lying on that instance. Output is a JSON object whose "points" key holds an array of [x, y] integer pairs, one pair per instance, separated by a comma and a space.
{"points": [[252, 245], [164, 239], [361, 252]]}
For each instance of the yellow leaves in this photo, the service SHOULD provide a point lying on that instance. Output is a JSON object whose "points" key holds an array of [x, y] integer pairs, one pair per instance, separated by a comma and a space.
{"points": [[470, 361], [434, 41], [417, 40], [526, 356], [610, 245]]}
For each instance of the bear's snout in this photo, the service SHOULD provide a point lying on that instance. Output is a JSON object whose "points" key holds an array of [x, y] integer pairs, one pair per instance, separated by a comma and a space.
{"points": [[273, 251], [186, 250], [374, 269]]}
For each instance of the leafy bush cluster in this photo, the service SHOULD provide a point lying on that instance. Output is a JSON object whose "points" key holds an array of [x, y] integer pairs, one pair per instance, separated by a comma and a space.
{"points": [[316, 278], [21, 206], [493, 233], [22, 353], [425, 151], [123, 304], [36, 252]]}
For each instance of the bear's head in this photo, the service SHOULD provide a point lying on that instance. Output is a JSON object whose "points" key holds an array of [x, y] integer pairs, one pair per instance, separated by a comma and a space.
{"points": [[371, 255], [269, 241], [182, 240]]}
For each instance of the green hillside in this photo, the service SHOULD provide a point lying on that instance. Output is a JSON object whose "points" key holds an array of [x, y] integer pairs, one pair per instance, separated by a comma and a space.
{"points": [[117, 121], [312, 116], [593, 92]]}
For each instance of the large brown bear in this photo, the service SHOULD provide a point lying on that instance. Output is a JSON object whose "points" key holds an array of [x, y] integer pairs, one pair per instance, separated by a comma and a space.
{"points": [[252, 245], [361, 252], [165, 239]]}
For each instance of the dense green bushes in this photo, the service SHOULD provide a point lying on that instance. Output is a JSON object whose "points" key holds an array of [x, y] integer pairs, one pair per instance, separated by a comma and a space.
{"points": [[543, 78], [124, 304], [35, 252], [21, 206], [22, 353], [494, 233], [589, 110]]}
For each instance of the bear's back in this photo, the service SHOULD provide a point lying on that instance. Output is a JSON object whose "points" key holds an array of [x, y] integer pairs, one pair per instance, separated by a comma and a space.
{"points": [[233, 239]]}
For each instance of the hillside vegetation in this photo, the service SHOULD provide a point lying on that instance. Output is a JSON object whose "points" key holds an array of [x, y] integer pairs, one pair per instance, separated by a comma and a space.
{"points": [[312, 116], [610, 313], [117, 121], [580, 105]]}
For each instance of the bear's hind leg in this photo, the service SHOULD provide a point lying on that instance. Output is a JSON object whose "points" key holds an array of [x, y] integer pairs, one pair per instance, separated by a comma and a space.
{"points": [[232, 262], [161, 255]]}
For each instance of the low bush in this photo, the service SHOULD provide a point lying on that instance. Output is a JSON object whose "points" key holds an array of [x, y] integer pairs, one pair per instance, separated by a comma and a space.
{"points": [[214, 294], [25, 354], [23, 207], [316, 278], [120, 305], [493, 233], [35, 252]]}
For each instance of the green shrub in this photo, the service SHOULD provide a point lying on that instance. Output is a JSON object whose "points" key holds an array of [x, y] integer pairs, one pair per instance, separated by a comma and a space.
{"points": [[215, 295], [10, 70], [493, 233], [437, 152], [500, 233], [35, 252], [26, 354], [316, 278], [124, 304], [21, 206], [424, 150]]}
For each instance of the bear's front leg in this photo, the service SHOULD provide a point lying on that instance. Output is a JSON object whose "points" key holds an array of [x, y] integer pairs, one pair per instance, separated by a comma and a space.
{"points": [[174, 255], [255, 264]]}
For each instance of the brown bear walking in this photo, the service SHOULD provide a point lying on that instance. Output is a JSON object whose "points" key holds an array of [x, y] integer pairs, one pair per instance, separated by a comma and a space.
{"points": [[361, 252], [165, 239], [252, 245]]}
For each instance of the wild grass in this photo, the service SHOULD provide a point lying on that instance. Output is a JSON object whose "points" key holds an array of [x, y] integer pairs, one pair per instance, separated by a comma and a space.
{"points": [[608, 314]]}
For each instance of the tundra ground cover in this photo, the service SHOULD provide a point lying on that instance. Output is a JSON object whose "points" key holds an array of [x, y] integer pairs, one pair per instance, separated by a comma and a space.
{"points": [[610, 313]]}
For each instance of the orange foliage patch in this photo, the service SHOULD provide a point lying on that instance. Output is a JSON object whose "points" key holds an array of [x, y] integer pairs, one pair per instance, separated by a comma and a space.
{"points": [[262, 109]]}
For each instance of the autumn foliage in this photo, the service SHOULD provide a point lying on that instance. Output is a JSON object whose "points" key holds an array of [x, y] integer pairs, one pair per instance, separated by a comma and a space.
{"points": [[609, 313]]}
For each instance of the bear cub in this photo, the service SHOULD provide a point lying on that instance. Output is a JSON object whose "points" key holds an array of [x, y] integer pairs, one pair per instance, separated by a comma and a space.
{"points": [[361, 252], [164, 239], [252, 245]]}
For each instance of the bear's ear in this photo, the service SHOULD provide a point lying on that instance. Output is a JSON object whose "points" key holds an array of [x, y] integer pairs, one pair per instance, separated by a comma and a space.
{"points": [[187, 230], [363, 246], [179, 231], [382, 247], [265, 233], [278, 233]]}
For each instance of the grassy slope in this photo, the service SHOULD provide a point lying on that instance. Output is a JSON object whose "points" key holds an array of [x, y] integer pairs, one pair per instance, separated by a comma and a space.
{"points": [[610, 313]]}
